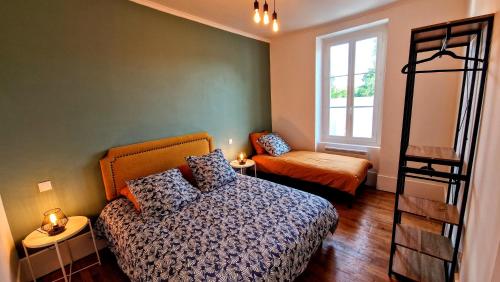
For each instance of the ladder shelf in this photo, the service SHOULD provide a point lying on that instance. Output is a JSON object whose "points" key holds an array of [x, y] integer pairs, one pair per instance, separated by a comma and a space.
{"points": [[417, 254]]}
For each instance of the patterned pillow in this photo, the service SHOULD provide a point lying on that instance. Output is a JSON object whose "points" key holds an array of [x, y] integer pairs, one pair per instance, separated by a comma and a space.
{"points": [[274, 144], [211, 171], [163, 193]]}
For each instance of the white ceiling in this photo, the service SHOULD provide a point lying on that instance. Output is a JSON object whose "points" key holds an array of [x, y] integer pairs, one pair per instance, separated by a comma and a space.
{"points": [[292, 14]]}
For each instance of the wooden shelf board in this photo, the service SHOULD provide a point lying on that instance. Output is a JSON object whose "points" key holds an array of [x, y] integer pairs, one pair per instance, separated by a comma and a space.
{"points": [[430, 153], [424, 242], [418, 267], [459, 33], [427, 208]]}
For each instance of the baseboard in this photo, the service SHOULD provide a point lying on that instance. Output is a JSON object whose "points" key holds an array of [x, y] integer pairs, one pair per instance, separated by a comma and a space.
{"points": [[421, 189], [45, 261]]}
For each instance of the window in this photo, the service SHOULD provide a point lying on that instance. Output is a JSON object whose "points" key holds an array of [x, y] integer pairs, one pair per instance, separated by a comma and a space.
{"points": [[352, 86]]}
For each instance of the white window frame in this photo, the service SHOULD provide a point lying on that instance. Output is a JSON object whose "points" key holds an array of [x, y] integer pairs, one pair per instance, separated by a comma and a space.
{"points": [[380, 32]]}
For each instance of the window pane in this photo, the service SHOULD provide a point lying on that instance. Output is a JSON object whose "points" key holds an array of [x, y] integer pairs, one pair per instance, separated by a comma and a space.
{"points": [[338, 91], [366, 55], [364, 89], [337, 121], [339, 59], [362, 122]]}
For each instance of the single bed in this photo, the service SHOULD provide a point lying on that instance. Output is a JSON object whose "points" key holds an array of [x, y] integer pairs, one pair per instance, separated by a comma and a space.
{"points": [[339, 172], [248, 230]]}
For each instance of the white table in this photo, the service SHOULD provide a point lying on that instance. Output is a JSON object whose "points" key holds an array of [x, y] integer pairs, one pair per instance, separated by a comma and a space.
{"points": [[37, 239], [242, 167]]}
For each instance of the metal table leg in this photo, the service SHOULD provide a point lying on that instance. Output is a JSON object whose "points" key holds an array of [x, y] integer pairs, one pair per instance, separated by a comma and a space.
{"points": [[61, 261], [29, 261], [93, 241], [71, 261]]}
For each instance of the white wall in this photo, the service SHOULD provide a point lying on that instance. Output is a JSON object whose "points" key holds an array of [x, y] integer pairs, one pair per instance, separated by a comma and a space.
{"points": [[8, 255], [481, 257], [293, 83]]}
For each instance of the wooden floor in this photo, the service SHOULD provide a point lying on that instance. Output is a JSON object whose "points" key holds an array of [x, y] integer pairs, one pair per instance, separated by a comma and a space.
{"points": [[358, 251]]}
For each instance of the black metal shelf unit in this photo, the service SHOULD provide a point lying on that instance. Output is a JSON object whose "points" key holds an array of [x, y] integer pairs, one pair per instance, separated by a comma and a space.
{"points": [[416, 254]]}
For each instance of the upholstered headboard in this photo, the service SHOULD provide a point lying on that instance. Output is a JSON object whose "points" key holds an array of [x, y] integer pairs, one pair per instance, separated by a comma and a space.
{"points": [[142, 159]]}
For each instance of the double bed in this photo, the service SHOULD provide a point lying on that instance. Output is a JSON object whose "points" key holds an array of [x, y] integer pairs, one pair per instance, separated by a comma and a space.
{"points": [[247, 230]]}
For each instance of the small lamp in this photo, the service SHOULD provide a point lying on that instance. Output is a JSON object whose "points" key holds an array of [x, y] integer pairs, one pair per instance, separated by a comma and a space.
{"points": [[54, 221], [242, 158]]}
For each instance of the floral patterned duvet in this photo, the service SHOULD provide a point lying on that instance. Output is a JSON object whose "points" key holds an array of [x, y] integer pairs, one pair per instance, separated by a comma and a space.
{"points": [[248, 230]]}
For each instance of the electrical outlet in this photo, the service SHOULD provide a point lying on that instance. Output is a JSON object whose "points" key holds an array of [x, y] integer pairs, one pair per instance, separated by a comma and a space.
{"points": [[230, 141], [45, 186]]}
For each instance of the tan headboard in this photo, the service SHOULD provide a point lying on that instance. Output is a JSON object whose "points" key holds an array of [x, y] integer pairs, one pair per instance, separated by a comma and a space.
{"points": [[142, 159]]}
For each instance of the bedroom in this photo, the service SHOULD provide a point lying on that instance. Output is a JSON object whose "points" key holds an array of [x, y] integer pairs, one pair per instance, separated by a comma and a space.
{"points": [[81, 77]]}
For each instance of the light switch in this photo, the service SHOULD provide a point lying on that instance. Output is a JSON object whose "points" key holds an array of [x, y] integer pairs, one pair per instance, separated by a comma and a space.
{"points": [[45, 186], [230, 141]]}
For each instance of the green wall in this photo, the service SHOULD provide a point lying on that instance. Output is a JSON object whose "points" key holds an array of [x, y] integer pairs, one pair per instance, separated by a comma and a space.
{"points": [[80, 76]]}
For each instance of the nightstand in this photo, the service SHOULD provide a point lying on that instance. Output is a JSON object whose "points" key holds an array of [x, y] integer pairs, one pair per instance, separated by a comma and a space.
{"points": [[39, 239], [242, 167]]}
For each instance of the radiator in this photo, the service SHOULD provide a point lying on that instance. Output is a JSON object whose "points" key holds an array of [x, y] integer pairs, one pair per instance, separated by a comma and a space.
{"points": [[347, 152]]}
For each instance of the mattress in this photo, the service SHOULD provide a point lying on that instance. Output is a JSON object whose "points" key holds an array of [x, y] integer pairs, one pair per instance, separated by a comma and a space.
{"points": [[340, 172], [248, 230]]}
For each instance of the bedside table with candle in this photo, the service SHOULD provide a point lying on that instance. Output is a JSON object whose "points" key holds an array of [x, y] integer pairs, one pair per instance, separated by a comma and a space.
{"points": [[242, 166], [57, 228]]}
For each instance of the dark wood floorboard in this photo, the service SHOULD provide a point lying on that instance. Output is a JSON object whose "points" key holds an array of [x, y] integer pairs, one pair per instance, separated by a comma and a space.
{"points": [[358, 251], [359, 248]]}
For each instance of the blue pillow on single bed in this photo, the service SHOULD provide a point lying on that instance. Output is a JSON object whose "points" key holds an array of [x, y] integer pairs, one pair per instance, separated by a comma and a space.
{"points": [[274, 144], [211, 171], [163, 193]]}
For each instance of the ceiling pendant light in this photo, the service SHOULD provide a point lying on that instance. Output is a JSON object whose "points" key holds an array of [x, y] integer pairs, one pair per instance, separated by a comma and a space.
{"points": [[256, 16], [266, 13], [275, 22], [275, 19]]}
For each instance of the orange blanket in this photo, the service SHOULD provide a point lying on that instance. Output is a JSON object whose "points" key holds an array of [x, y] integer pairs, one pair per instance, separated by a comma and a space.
{"points": [[339, 172]]}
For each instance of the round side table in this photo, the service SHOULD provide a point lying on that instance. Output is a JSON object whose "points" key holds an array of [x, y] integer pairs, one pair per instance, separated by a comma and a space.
{"points": [[242, 167], [37, 239]]}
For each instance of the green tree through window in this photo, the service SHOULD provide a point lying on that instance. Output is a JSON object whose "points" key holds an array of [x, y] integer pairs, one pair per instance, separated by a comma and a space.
{"points": [[337, 93], [367, 89]]}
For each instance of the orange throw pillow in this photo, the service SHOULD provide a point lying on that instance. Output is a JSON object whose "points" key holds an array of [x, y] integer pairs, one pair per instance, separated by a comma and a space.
{"points": [[253, 139], [125, 192], [187, 173]]}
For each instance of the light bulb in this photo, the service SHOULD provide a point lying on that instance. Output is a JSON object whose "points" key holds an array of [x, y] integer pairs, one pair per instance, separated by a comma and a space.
{"points": [[266, 17], [256, 16], [266, 13], [275, 22], [53, 219], [275, 25]]}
